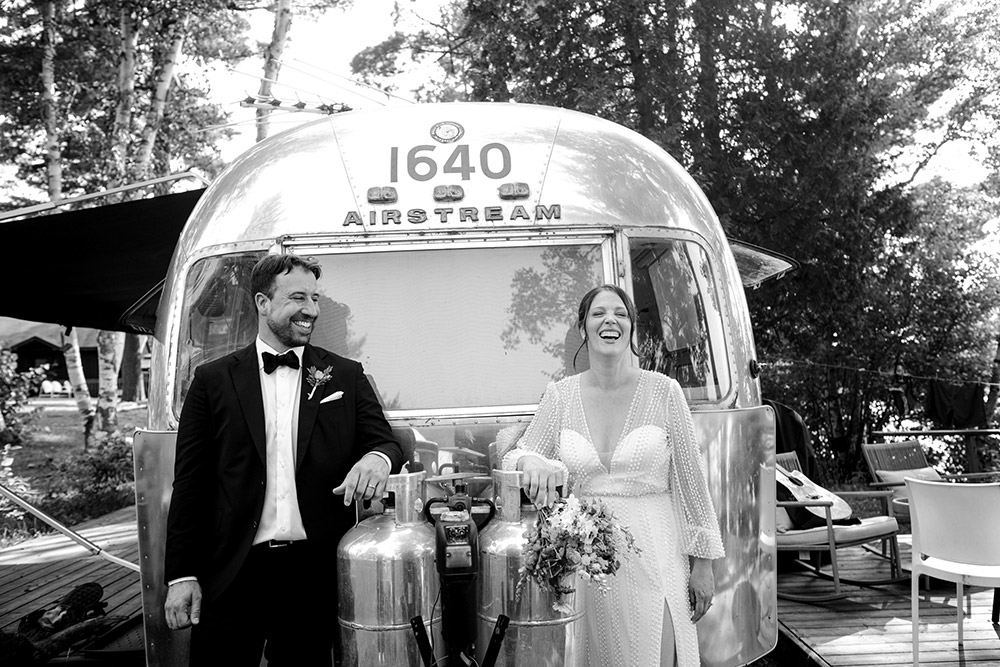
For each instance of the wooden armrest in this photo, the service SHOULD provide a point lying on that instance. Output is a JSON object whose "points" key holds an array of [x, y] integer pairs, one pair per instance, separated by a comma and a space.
{"points": [[885, 485], [865, 494], [805, 503], [970, 475]]}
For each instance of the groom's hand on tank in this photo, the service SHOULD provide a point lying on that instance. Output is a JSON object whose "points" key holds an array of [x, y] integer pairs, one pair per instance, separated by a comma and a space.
{"points": [[366, 480]]}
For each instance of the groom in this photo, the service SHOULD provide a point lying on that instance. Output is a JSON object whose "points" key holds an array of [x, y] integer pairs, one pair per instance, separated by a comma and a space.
{"points": [[274, 443]]}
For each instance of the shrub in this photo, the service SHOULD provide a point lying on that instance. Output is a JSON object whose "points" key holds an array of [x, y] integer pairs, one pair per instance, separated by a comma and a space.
{"points": [[14, 391], [95, 482], [16, 524], [88, 485]]}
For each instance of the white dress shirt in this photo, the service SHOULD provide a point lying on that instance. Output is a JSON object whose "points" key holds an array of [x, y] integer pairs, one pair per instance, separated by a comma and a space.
{"points": [[280, 390]]}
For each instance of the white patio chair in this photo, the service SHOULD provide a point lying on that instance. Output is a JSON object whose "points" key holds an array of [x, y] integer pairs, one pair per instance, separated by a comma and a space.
{"points": [[47, 389], [955, 538]]}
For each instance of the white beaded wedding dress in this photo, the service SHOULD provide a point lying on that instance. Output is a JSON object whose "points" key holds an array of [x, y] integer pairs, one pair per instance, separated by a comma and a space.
{"points": [[655, 484]]}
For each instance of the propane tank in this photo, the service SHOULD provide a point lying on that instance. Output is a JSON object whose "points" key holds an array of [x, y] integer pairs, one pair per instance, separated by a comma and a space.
{"points": [[537, 635], [387, 578]]}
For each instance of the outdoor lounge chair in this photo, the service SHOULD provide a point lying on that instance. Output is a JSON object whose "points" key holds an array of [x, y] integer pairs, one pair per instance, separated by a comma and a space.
{"points": [[831, 537], [954, 539], [890, 462]]}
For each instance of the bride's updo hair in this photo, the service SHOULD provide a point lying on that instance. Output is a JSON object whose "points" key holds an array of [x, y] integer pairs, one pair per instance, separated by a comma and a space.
{"points": [[585, 304]]}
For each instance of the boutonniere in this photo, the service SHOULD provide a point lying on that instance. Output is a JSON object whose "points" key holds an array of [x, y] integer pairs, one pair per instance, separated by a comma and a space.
{"points": [[317, 378]]}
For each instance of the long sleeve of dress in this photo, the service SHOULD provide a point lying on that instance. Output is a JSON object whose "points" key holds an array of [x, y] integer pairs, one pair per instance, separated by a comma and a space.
{"points": [[700, 536], [542, 435]]}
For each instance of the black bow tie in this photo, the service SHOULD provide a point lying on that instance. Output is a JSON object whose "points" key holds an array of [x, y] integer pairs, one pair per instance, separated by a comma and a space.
{"points": [[272, 361]]}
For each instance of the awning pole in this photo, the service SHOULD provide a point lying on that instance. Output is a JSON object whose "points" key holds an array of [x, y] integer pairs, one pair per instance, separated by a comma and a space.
{"points": [[37, 208], [68, 532]]}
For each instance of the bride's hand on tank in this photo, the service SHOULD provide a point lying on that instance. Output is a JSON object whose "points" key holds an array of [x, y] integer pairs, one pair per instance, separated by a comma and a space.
{"points": [[540, 480]]}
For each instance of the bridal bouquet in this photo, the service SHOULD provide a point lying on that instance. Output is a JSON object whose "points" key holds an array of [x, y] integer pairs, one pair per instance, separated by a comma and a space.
{"points": [[573, 537]]}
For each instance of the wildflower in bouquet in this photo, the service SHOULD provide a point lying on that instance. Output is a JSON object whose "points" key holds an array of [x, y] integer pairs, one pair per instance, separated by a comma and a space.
{"points": [[574, 536]]}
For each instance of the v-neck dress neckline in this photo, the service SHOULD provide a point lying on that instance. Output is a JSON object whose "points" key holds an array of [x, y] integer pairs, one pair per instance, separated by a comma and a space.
{"points": [[626, 425]]}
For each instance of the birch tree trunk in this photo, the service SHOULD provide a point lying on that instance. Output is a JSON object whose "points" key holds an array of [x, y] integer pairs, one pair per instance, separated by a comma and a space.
{"points": [[131, 359], [176, 31], [121, 132], [272, 60], [53, 153], [109, 346], [110, 343], [81, 392], [53, 167]]}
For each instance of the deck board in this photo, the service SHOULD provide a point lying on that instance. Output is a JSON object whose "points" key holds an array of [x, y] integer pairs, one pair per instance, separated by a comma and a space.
{"points": [[872, 628], [39, 572]]}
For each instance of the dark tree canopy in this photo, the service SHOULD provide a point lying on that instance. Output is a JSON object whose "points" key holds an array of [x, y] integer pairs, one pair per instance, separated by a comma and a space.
{"points": [[807, 124]]}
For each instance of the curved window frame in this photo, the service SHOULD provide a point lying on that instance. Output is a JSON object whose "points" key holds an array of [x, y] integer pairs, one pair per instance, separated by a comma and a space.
{"points": [[671, 234]]}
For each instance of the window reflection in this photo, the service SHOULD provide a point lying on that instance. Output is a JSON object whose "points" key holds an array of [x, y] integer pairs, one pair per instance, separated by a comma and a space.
{"points": [[447, 328], [220, 315], [680, 328]]}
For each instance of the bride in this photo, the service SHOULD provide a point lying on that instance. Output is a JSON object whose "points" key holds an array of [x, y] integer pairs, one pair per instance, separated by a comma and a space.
{"points": [[625, 435]]}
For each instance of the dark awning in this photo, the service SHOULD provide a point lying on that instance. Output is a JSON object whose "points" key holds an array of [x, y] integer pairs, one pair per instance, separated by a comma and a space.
{"points": [[94, 264]]}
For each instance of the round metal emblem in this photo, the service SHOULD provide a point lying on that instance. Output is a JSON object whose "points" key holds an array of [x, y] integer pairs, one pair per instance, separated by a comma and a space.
{"points": [[447, 131]]}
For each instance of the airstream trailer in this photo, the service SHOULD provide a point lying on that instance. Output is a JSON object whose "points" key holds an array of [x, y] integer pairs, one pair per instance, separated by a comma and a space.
{"points": [[455, 242]]}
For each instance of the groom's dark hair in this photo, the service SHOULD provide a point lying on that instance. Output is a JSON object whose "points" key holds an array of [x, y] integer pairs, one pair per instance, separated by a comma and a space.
{"points": [[270, 266]]}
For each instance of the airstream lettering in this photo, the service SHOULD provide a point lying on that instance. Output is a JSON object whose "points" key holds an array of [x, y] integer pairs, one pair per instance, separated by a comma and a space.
{"points": [[455, 283], [463, 215]]}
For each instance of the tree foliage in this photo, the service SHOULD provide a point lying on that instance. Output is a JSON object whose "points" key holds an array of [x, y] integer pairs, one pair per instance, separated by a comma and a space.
{"points": [[15, 387], [807, 124], [91, 93]]}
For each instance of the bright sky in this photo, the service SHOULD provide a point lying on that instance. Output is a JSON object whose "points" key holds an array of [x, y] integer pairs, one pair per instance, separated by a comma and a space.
{"points": [[316, 63]]}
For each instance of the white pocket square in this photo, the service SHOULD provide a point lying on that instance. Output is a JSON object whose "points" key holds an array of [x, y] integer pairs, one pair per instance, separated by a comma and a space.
{"points": [[332, 397]]}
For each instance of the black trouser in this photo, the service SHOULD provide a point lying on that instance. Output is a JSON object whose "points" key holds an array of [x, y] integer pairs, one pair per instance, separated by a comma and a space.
{"points": [[282, 602]]}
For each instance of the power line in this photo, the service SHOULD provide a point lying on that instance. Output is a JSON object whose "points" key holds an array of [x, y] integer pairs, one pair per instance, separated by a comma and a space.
{"points": [[803, 362], [359, 84]]}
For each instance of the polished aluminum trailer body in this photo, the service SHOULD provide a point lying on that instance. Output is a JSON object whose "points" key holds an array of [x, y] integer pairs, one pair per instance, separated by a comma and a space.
{"points": [[456, 241]]}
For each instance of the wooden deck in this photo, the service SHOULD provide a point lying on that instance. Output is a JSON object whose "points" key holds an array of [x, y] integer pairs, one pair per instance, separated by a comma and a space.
{"points": [[39, 572], [870, 627]]}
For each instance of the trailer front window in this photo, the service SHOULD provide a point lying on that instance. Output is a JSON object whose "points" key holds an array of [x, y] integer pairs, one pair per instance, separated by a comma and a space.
{"points": [[438, 328], [220, 314], [680, 328], [447, 328]]}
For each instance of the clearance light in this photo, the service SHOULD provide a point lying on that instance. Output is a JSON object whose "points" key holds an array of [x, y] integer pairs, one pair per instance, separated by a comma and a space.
{"points": [[515, 191], [385, 195], [448, 193]]}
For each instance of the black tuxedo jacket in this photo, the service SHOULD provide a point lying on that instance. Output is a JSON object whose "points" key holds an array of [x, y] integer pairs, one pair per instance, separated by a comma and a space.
{"points": [[219, 471]]}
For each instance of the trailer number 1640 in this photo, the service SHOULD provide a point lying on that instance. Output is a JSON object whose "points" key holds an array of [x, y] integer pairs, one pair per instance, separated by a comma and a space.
{"points": [[421, 165]]}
